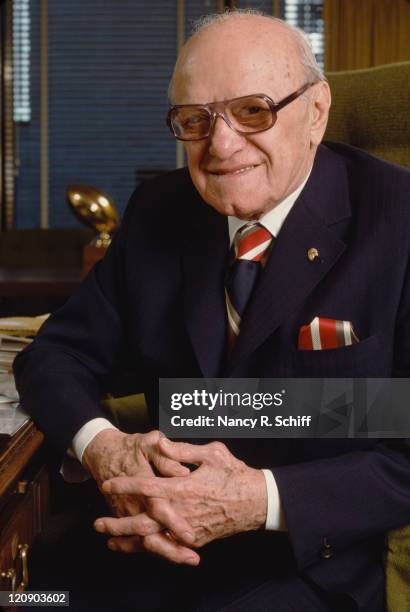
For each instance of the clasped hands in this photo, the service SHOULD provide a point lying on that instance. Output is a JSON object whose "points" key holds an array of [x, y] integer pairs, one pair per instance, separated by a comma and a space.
{"points": [[163, 507]]}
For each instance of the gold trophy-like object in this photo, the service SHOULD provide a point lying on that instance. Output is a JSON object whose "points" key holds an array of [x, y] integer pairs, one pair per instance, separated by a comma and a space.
{"points": [[96, 209]]}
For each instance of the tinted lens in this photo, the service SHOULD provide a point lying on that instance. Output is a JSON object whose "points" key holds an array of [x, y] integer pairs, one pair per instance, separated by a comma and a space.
{"points": [[190, 122], [250, 114]]}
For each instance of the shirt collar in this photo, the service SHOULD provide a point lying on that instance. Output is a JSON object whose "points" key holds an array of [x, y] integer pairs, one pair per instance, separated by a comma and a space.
{"points": [[274, 219]]}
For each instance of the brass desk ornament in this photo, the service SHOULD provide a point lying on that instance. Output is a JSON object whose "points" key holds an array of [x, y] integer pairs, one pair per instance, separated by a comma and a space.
{"points": [[96, 209]]}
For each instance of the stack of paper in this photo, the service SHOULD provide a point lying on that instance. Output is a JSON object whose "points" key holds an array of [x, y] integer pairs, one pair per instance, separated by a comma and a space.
{"points": [[14, 336], [9, 347], [22, 326], [8, 391]]}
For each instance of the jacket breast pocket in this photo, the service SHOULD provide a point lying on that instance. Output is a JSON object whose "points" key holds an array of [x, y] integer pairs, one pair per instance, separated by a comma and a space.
{"points": [[362, 360]]}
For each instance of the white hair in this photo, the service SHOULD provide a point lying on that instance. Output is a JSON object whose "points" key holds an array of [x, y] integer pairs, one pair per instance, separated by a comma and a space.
{"points": [[312, 70]]}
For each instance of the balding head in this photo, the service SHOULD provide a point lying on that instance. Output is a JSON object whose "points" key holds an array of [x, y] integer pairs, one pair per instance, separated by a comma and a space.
{"points": [[252, 25]]}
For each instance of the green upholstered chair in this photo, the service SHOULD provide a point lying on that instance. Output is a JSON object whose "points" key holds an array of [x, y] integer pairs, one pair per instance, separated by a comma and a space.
{"points": [[370, 110], [129, 413], [398, 569]]}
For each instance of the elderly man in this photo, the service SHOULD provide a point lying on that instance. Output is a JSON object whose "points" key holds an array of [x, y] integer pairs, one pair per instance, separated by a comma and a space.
{"points": [[259, 525]]}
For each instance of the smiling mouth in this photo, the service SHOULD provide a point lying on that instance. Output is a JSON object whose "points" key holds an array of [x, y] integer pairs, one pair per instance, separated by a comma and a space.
{"points": [[234, 172]]}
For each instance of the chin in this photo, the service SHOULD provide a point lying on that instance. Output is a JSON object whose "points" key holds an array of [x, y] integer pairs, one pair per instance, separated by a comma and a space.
{"points": [[236, 203], [247, 212], [242, 211]]}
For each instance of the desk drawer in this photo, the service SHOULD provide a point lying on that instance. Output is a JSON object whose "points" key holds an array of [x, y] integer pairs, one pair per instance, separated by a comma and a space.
{"points": [[20, 520]]}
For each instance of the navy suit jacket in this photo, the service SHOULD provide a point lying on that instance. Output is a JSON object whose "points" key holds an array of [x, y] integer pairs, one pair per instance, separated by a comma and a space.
{"points": [[156, 303]]}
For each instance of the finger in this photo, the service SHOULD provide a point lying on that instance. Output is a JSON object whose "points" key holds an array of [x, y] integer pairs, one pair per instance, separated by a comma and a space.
{"points": [[163, 545], [144, 525], [125, 505], [167, 466], [163, 513], [183, 451], [126, 544], [159, 544], [150, 449], [141, 525], [137, 485], [132, 485]]}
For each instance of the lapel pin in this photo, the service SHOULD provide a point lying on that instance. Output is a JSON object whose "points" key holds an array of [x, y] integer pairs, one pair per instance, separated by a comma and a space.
{"points": [[312, 254]]}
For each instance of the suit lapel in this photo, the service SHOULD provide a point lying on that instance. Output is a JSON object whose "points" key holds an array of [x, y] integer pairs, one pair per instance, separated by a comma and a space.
{"points": [[204, 262], [289, 276]]}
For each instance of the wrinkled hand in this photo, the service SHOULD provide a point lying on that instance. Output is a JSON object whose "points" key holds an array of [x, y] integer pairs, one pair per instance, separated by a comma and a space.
{"points": [[222, 497], [113, 453]]}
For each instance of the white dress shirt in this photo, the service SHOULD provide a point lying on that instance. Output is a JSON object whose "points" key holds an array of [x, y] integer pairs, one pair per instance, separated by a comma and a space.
{"points": [[273, 221]]}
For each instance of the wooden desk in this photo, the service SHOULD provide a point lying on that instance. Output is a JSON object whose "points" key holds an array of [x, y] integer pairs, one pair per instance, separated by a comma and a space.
{"points": [[38, 282], [24, 502]]}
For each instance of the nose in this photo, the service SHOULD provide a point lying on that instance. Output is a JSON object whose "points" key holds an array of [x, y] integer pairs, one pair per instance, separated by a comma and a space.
{"points": [[223, 141]]}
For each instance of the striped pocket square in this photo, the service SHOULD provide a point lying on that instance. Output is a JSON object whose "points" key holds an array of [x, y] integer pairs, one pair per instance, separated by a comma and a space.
{"points": [[322, 334]]}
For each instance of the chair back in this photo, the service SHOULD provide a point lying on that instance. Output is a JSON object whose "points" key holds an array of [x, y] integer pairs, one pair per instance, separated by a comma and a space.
{"points": [[370, 110]]}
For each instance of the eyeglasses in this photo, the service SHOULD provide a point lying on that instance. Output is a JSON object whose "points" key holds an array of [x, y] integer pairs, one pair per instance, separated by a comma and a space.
{"points": [[245, 115]]}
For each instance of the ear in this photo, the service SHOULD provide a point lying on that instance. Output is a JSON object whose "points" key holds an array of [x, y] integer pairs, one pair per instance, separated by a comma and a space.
{"points": [[321, 101]]}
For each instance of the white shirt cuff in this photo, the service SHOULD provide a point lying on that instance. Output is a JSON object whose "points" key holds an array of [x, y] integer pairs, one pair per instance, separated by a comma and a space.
{"points": [[72, 469], [275, 520], [87, 432]]}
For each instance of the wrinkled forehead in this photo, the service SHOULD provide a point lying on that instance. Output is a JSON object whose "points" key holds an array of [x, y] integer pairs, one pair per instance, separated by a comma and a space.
{"points": [[224, 63]]}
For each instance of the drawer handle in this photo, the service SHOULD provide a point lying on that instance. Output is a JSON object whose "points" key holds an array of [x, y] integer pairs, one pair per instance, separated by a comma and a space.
{"points": [[23, 550], [22, 487], [12, 576]]}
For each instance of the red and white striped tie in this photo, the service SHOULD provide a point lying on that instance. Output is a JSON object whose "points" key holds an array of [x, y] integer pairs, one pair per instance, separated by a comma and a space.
{"points": [[251, 246], [252, 242]]}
